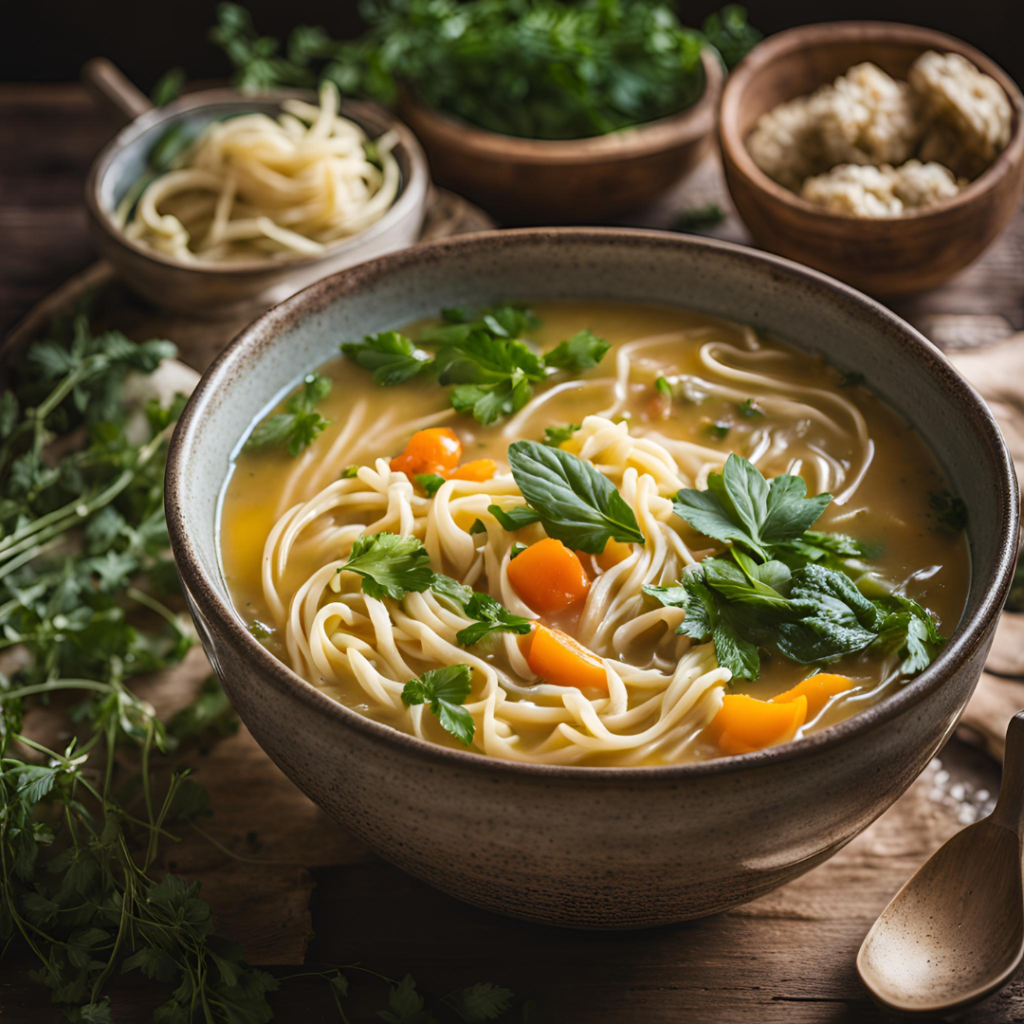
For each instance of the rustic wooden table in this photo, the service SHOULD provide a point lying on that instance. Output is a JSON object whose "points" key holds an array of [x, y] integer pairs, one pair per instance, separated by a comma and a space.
{"points": [[788, 957]]}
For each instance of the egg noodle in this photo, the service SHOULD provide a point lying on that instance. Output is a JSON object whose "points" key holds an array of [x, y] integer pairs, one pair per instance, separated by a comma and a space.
{"points": [[255, 187], [663, 688]]}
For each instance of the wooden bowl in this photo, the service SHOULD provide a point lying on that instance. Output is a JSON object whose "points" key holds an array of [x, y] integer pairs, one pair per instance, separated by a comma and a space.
{"points": [[884, 256], [575, 181]]}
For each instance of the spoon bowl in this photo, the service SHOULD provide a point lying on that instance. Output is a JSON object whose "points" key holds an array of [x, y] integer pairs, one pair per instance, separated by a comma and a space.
{"points": [[955, 932]]}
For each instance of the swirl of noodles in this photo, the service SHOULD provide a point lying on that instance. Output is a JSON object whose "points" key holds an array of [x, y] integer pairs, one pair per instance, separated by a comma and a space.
{"points": [[662, 688], [252, 186]]}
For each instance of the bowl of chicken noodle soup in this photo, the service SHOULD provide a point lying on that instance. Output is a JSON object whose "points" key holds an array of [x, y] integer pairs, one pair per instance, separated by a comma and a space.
{"points": [[607, 565]]}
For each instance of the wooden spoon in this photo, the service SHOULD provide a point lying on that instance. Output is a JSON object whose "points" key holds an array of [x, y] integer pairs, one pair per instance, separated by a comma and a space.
{"points": [[955, 932]]}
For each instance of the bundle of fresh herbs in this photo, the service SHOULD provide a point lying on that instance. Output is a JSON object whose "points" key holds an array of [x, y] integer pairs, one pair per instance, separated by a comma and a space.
{"points": [[88, 602], [542, 69]]}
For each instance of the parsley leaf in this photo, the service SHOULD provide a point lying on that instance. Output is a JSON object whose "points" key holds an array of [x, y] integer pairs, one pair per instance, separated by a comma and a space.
{"points": [[576, 504], [493, 617], [748, 410], [741, 506], [583, 351], [390, 565], [446, 690], [480, 1002], [301, 424], [391, 356], [554, 437], [445, 586]]}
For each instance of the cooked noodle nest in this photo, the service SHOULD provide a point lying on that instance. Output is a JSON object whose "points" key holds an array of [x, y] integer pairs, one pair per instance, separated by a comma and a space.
{"points": [[255, 187], [662, 688]]}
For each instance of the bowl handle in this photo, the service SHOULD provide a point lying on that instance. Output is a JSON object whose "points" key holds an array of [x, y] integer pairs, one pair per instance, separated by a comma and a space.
{"points": [[121, 101]]}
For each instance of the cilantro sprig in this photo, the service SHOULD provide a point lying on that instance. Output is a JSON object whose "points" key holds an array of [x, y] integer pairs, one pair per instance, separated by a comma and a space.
{"points": [[445, 690], [300, 424], [781, 586], [483, 358]]}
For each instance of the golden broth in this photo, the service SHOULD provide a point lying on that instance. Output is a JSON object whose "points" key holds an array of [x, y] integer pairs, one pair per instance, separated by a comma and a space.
{"points": [[889, 510]]}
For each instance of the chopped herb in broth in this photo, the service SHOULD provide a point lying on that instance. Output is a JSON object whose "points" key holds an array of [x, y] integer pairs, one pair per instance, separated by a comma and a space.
{"points": [[615, 583]]}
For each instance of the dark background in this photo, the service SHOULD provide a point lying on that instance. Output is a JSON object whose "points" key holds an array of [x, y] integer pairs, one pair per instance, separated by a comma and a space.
{"points": [[48, 40]]}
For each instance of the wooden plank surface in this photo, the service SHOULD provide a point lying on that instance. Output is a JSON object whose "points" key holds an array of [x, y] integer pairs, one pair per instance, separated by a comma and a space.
{"points": [[786, 957]]}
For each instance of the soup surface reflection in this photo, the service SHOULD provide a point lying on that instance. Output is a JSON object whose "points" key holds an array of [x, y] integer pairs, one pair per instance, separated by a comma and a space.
{"points": [[676, 393]]}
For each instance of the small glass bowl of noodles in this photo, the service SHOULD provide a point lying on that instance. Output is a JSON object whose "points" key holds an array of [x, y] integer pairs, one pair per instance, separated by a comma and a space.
{"points": [[222, 204]]}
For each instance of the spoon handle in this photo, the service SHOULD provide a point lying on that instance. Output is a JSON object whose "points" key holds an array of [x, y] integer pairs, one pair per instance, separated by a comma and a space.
{"points": [[1009, 810], [118, 97]]}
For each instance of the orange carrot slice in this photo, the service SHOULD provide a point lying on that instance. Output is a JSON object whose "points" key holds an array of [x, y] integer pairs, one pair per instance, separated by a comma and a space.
{"points": [[745, 723], [818, 690], [548, 576], [436, 450], [476, 471], [557, 658]]}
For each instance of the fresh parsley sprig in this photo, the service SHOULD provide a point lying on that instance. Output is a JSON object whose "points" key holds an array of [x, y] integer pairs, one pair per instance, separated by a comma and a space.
{"points": [[492, 617], [483, 357], [300, 425], [445, 690]]}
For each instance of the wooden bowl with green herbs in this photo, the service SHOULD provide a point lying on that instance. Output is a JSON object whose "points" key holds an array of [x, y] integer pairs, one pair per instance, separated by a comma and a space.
{"points": [[567, 181], [540, 113]]}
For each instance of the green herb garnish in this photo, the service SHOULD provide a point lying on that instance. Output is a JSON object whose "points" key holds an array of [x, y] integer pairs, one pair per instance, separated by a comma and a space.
{"points": [[349, 472], [391, 356], [300, 425], [430, 482], [573, 501], [483, 357], [583, 351], [664, 388], [493, 617], [748, 410], [445, 690], [782, 586], [717, 430], [699, 218], [555, 437], [516, 518], [390, 565]]}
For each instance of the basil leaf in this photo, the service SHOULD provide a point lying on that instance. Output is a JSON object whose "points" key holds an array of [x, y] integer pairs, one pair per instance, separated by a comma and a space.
{"points": [[577, 505], [554, 437], [515, 518]]}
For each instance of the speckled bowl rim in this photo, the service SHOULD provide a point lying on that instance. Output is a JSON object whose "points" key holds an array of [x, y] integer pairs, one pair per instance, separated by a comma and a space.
{"points": [[412, 190], [969, 635], [781, 45]]}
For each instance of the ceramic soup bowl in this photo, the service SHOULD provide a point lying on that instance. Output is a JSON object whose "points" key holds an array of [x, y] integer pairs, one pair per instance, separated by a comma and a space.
{"points": [[594, 847]]}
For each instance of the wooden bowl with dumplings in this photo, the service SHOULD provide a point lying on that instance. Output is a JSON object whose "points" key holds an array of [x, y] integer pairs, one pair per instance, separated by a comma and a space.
{"points": [[915, 250]]}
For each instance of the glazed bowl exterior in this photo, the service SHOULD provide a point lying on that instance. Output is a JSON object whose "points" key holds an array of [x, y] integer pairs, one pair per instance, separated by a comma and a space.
{"points": [[882, 255], [571, 181], [245, 288], [593, 847]]}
